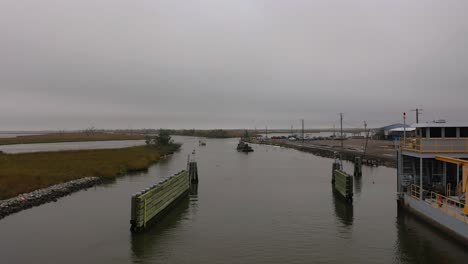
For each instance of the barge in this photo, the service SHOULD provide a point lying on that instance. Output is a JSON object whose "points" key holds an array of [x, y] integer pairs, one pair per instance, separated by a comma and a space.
{"points": [[432, 176]]}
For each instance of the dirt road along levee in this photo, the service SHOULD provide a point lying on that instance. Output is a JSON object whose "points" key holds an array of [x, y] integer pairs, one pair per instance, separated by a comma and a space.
{"points": [[381, 151]]}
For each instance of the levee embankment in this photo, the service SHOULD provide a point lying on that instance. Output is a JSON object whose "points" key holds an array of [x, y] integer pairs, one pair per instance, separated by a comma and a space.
{"points": [[379, 152], [32, 179], [45, 195]]}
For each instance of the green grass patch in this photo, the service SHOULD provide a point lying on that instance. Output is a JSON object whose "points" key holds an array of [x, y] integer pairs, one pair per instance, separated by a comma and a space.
{"points": [[26, 172]]}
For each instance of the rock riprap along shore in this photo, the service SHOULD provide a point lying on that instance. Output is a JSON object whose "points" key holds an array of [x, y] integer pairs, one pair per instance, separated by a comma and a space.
{"points": [[45, 195]]}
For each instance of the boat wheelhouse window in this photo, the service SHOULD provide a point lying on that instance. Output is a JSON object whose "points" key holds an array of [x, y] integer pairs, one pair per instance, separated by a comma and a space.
{"points": [[464, 132], [423, 132], [450, 132], [436, 132]]}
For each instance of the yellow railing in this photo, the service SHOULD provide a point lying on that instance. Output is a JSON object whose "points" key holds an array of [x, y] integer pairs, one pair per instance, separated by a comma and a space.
{"points": [[449, 206], [459, 189], [443, 203], [441, 145]]}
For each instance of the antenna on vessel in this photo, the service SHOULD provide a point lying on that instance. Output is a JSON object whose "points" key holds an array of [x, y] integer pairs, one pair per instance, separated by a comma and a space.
{"points": [[418, 112]]}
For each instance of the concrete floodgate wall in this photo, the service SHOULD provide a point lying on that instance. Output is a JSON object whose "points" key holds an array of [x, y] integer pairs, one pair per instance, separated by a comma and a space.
{"points": [[153, 202]]}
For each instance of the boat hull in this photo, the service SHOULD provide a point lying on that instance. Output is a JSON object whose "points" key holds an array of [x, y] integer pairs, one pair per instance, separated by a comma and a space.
{"points": [[448, 224]]}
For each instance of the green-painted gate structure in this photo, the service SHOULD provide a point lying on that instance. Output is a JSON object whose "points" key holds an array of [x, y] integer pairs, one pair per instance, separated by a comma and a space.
{"points": [[343, 184], [151, 203]]}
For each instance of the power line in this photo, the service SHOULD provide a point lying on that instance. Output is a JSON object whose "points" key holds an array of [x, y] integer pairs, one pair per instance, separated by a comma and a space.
{"points": [[352, 125]]}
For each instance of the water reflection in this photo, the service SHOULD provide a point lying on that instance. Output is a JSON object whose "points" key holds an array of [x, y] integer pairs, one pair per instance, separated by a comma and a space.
{"points": [[419, 242], [343, 210], [358, 185], [147, 245], [193, 191]]}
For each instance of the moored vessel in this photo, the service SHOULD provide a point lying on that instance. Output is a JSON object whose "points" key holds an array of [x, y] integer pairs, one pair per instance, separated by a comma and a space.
{"points": [[433, 176], [244, 147]]}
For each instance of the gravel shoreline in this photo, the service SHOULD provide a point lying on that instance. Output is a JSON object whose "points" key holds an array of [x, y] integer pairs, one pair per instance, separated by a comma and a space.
{"points": [[329, 152], [45, 195]]}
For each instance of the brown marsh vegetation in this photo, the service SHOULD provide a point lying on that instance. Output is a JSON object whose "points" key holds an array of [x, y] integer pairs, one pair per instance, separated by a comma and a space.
{"points": [[25, 172], [67, 137]]}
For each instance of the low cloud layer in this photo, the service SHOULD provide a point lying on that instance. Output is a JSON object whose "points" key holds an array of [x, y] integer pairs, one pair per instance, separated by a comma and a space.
{"points": [[230, 64]]}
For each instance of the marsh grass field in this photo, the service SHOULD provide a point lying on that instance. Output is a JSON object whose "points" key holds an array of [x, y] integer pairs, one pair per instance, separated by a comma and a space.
{"points": [[26, 172], [67, 137]]}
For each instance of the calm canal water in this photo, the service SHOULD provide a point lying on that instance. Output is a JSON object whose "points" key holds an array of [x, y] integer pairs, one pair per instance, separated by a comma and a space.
{"points": [[274, 205]]}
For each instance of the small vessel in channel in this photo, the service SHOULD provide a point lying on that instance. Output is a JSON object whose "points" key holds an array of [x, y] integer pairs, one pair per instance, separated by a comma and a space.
{"points": [[244, 147]]}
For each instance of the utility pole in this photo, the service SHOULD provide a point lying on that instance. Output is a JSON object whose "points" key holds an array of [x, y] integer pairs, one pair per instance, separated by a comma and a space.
{"points": [[341, 140], [341, 130], [266, 132], [367, 139], [291, 130], [404, 128], [418, 112], [302, 130]]}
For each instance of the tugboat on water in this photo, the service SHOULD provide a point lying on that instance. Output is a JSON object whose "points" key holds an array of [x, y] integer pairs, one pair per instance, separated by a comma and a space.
{"points": [[244, 147]]}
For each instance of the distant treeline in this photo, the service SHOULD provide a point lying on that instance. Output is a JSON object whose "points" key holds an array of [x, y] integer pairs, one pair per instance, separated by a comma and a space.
{"points": [[212, 133]]}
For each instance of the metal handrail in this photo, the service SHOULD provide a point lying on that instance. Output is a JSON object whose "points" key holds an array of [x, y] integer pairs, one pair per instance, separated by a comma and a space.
{"points": [[449, 206], [459, 189], [434, 145], [445, 204]]}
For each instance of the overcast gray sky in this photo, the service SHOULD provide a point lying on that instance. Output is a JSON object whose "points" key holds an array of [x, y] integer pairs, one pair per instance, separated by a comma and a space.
{"points": [[71, 64]]}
